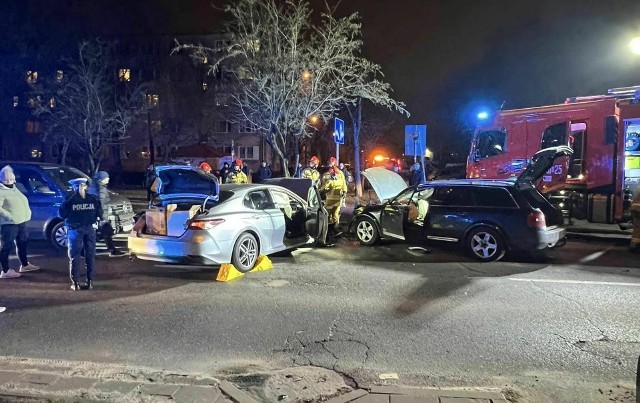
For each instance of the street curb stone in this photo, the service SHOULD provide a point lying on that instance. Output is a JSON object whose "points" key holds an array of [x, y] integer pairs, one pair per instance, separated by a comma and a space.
{"points": [[351, 396], [75, 383], [197, 394], [154, 389], [114, 386], [468, 394], [234, 393]]}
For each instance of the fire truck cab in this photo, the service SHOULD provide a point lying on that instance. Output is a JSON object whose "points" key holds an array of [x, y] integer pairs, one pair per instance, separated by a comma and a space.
{"points": [[599, 180]]}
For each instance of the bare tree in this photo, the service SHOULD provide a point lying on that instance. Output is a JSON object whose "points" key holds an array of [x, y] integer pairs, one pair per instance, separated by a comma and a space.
{"points": [[287, 68], [90, 110]]}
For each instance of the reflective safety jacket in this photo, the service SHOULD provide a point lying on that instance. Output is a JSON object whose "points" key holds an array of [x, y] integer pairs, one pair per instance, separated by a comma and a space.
{"points": [[237, 177], [313, 174], [334, 187]]}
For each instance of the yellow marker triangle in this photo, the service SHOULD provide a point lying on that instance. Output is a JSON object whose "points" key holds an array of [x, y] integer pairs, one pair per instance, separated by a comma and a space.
{"points": [[228, 272]]}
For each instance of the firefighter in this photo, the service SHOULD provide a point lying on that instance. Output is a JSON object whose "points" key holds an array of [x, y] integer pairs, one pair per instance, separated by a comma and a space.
{"points": [[236, 175], [334, 189], [80, 212], [311, 172]]}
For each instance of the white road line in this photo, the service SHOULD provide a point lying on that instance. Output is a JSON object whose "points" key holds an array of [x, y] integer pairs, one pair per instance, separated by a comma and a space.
{"points": [[542, 280], [594, 256]]}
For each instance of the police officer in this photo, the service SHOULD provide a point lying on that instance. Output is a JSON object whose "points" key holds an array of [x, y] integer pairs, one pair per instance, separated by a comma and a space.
{"points": [[236, 175], [311, 172], [80, 212], [334, 188]]}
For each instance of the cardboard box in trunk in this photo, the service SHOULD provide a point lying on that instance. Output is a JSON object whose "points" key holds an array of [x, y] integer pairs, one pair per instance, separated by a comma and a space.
{"points": [[156, 222], [177, 220]]}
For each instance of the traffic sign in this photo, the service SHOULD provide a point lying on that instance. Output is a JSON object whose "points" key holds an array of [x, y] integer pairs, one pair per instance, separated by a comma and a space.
{"points": [[415, 140], [338, 131]]}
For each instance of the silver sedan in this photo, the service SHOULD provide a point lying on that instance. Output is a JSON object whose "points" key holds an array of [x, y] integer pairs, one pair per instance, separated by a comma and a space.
{"points": [[231, 224]]}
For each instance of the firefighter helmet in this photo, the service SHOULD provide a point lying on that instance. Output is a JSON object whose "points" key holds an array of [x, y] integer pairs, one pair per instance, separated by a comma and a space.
{"points": [[314, 160], [205, 166], [237, 162], [332, 160]]}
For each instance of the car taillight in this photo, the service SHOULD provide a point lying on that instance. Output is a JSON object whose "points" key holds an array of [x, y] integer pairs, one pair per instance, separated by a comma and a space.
{"points": [[205, 224], [536, 219]]}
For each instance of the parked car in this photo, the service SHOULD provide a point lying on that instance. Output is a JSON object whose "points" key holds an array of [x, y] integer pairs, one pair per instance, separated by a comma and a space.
{"points": [[232, 223], [46, 187], [485, 217]]}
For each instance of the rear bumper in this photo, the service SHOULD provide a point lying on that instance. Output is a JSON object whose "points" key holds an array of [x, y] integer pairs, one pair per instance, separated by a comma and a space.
{"points": [[192, 247], [550, 237]]}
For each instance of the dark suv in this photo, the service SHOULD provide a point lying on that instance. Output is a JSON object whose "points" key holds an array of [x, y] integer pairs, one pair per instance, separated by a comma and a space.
{"points": [[485, 217], [46, 187]]}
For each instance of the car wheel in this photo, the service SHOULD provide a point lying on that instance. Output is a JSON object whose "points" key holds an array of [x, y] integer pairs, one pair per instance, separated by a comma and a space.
{"points": [[245, 252], [485, 244], [58, 236], [367, 232]]}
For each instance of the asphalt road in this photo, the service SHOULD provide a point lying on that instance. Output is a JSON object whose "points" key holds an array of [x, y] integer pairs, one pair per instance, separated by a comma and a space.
{"points": [[563, 326]]}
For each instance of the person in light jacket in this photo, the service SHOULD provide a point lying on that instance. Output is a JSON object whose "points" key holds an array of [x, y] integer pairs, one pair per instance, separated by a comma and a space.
{"points": [[99, 189], [14, 214]]}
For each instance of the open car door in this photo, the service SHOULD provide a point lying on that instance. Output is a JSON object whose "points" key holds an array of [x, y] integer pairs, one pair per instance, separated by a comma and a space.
{"points": [[317, 223]]}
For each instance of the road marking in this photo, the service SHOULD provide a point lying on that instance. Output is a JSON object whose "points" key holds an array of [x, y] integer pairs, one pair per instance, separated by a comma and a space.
{"points": [[542, 280], [594, 256]]}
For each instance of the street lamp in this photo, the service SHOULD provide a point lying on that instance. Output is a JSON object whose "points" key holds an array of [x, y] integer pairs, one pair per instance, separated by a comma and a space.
{"points": [[635, 45], [306, 75], [314, 119]]}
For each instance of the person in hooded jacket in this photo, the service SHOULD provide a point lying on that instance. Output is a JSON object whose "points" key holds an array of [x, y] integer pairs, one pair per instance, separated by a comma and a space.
{"points": [[80, 212], [416, 175], [98, 188], [265, 172], [14, 214], [224, 172]]}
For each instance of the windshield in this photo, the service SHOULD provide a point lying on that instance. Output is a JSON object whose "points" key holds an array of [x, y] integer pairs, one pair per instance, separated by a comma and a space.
{"points": [[186, 181], [62, 175]]}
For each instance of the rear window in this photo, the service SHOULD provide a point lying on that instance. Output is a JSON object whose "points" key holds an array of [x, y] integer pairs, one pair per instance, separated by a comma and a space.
{"points": [[452, 196], [186, 181], [493, 197], [534, 198]]}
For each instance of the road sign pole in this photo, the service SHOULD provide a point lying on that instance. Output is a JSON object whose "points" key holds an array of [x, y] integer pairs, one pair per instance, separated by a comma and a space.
{"points": [[337, 153]]}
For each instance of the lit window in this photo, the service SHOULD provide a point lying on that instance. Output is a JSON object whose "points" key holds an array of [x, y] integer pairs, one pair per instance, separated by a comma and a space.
{"points": [[32, 127], [32, 77], [52, 102], [153, 99], [205, 60], [204, 86], [59, 75], [16, 101], [35, 153], [124, 74]]}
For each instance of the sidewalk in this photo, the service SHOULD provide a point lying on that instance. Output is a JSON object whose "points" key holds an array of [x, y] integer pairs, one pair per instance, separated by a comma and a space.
{"points": [[24, 379]]}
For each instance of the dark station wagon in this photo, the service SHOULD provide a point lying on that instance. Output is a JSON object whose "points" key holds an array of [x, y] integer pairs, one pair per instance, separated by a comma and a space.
{"points": [[486, 217]]}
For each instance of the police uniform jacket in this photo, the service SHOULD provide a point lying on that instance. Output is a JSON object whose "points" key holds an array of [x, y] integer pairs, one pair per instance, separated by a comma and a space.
{"points": [[78, 212]]}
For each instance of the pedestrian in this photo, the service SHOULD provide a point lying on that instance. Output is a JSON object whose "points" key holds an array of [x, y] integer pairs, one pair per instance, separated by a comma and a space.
{"points": [[80, 212], [14, 214], [149, 178], [237, 175], [247, 172], [311, 172], [347, 175], [99, 189], [416, 175], [265, 172], [298, 173], [334, 189], [224, 172]]}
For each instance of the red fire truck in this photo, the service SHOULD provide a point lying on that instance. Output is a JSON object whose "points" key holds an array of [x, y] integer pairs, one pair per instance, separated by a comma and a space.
{"points": [[599, 180]]}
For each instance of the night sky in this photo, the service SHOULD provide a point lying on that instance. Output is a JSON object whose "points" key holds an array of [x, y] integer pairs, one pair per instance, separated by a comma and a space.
{"points": [[443, 58]]}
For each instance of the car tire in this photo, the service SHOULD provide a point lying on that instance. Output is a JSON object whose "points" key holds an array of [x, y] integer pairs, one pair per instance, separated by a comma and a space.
{"points": [[485, 244], [58, 236], [245, 252], [367, 231]]}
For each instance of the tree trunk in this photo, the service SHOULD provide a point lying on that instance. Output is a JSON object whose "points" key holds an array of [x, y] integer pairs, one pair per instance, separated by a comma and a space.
{"points": [[356, 120], [63, 152]]}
